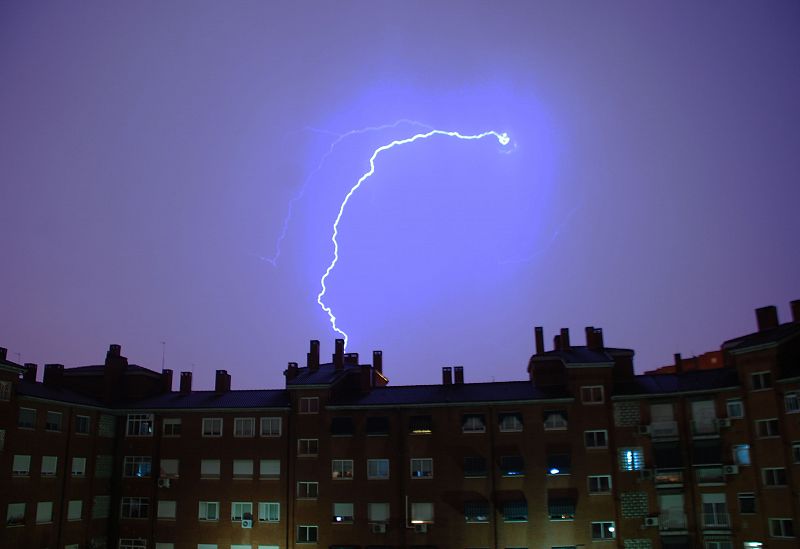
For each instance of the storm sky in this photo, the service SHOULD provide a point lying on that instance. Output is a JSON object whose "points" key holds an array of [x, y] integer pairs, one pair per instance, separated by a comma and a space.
{"points": [[150, 153]]}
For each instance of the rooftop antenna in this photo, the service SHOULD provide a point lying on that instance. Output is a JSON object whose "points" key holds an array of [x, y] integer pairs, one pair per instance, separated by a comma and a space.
{"points": [[163, 353]]}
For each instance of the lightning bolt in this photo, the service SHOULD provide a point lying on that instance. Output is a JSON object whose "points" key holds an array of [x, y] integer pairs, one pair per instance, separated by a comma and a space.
{"points": [[502, 138], [273, 260]]}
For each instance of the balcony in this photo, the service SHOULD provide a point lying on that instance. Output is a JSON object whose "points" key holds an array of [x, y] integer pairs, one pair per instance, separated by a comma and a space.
{"points": [[705, 427], [668, 478], [672, 521], [663, 429], [716, 521], [709, 475]]}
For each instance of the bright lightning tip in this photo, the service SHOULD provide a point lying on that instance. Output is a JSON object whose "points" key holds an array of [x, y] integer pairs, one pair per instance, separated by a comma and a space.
{"points": [[503, 138]]}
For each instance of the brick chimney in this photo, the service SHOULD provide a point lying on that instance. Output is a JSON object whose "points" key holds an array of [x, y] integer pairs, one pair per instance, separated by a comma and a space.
{"points": [[222, 384], [351, 359], [767, 318], [291, 371], [338, 355], [313, 356], [795, 305], [365, 378], [539, 336], [166, 380], [186, 383], [557, 343], [458, 375], [447, 375], [29, 374], [53, 374], [3, 354], [377, 361], [565, 339], [678, 363]]}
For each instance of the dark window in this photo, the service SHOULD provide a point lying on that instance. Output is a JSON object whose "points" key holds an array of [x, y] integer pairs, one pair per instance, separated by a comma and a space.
{"points": [[555, 420], [559, 464], [476, 511], [515, 511], [706, 452], [342, 426], [420, 425], [668, 456], [82, 424], [473, 423], [747, 503], [511, 466], [475, 466], [561, 509], [510, 422], [378, 425]]}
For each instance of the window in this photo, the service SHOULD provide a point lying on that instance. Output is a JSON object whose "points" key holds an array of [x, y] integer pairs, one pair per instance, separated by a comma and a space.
{"points": [[735, 408], [140, 425], [559, 464], [212, 426], [476, 511], [767, 428], [135, 508], [791, 401], [560, 508], [209, 510], [269, 511], [103, 466], [166, 509], [592, 394], [475, 466], [631, 459], [515, 511], [420, 425], [774, 476], [136, 467], [241, 510], [473, 423], [101, 507], [242, 468], [309, 405], [270, 426], [172, 427], [378, 512], [715, 511], [27, 418], [44, 512], [377, 426], [747, 503], [307, 447], [510, 422], [422, 513], [106, 426], [307, 490], [306, 534], [342, 512], [49, 466], [795, 452], [83, 424], [512, 466], [555, 420], [596, 439], [78, 466], [342, 427], [760, 380], [342, 469], [603, 530], [53, 421], [741, 454], [422, 468], [162, 545], [781, 528], [15, 515], [377, 469], [21, 466], [134, 543], [244, 427], [5, 390], [599, 484], [209, 468], [169, 468], [270, 469], [718, 544]]}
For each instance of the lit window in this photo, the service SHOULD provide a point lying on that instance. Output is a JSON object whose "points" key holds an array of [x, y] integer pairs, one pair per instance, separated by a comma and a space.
{"points": [[269, 511], [209, 468], [559, 464], [172, 427], [270, 469], [53, 421], [49, 466], [596, 439], [307, 447], [781, 528], [510, 422], [5, 390], [767, 428], [791, 402], [599, 484], [378, 512], [136, 466], [15, 515], [169, 468], [208, 510], [27, 418], [476, 511], [212, 426], [308, 490], [747, 503], [475, 466], [741, 454], [242, 468], [342, 512], [735, 408], [603, 530], [241, 510], [420, 425], [309, 405], [306, 534], [139, 425], [78, 466], [631, 459], [377, 469], [473, 423], [166, 509], [244, 427], [83, 424], [760, 380], [422, 468], [774, 476], [135, 508], [592, 394], [270, 426], [555, 420], [21, 466], [515, 511], [342, 469], [422, 513]]}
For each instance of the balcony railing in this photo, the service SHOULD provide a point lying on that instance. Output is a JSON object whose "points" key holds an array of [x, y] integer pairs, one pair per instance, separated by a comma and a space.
{"points": [[709, 475], [705, 427], [672, 520], [664, 429], [716, 521]]}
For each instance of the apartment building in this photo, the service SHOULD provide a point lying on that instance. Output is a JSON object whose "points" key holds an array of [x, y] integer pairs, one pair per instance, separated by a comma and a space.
{"points": [[583, 452]]}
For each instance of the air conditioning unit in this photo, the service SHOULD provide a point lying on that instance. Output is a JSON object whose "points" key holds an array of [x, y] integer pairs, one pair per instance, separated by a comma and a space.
{"points": [[379, 528], [645, 474], [420, 528], [644, 429], [651, 521], [730, 469], [247, 523], [724, 422], [163, 482]]}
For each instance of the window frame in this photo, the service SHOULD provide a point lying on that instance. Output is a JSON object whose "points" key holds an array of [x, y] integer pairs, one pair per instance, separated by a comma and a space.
{"points": [[772, 521], [343, 473], [599, 484], [239, 422], [140, 504], [310, 487], [308, 405], [19, 516], [635, 464], [27, 424], [171, 427], [311, 447], [517, 425], [612, 530], [53, 421], [731, 406], [551, 424], [203, 508], [49, 467], [270, 431], [16, 470], [774, 477], [208, 427], [770, 424], [83, 419], [749, 496], [473, 423], [764, 378], [78, 472], [310, 534], [423, 466], [132, 466], [596, 394], [593, 434], [243, 512], [794, 398], [136, 425], [378, 463], [268, 507]]}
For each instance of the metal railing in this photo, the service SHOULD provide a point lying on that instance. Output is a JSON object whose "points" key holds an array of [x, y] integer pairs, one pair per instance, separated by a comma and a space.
{"points": [[672, 520]]}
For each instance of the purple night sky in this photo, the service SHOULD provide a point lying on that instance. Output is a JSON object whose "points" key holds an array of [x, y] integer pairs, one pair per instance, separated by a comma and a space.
{"points": [[149, 152]]}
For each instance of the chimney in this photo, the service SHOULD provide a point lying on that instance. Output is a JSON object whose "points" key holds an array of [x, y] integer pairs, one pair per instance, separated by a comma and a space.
{"points": [[565, 339], [114, 350], [166, 380], [186, 383], [351, 359], [458, 372], [223, 382], [678, 363], [292, 371], [589, 331], [539, 335], [3, 353], [53, 374], [338, 355], [795, 305], [377, 361], [598, 339], [447, 375], [29, 374], [365, 377], [313, 356], [767, 318], [557, 343]]}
